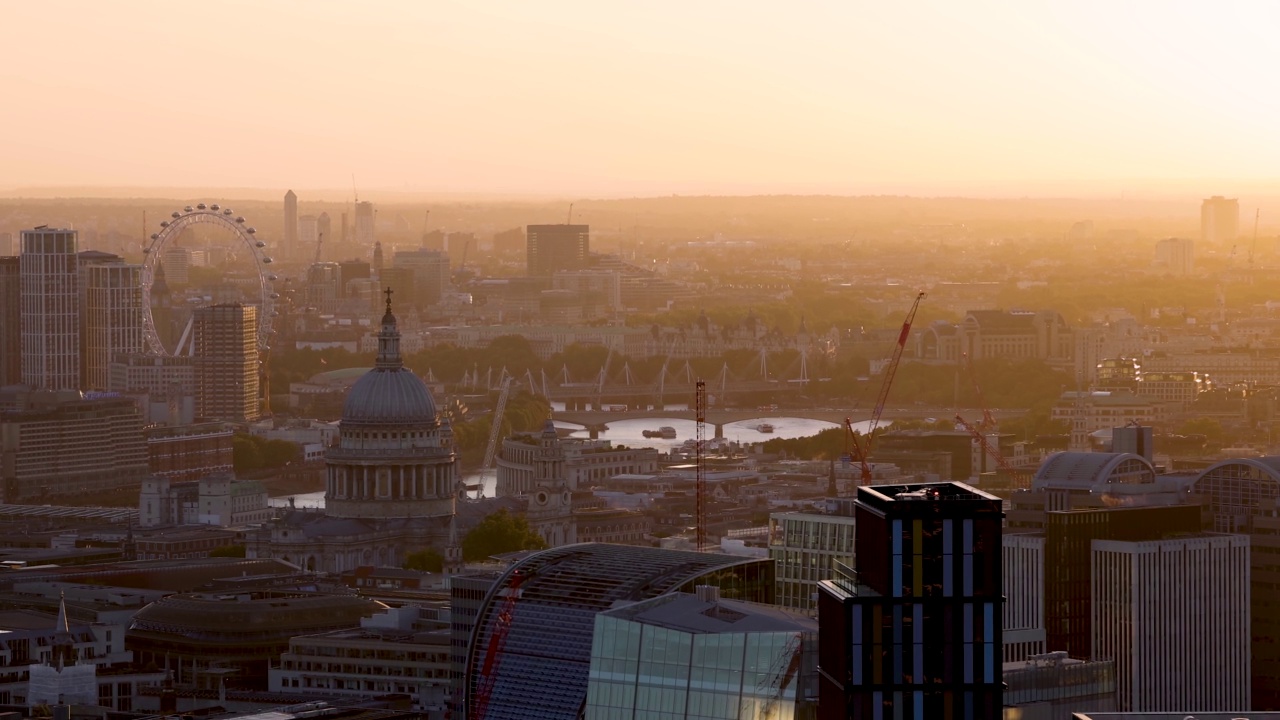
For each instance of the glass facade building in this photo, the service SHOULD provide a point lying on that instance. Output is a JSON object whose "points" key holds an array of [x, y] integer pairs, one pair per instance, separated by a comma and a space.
{"points": [[805, 546], [540, 666], [683, 656], [914, 631]]}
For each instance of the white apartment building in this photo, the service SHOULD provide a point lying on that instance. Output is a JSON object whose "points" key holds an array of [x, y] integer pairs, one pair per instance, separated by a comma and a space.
{"points": [[49, 299], [1174, 615]]}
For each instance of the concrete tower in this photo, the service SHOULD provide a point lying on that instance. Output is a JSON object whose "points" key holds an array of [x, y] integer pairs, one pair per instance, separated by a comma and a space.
{"points": [[50, 309]]}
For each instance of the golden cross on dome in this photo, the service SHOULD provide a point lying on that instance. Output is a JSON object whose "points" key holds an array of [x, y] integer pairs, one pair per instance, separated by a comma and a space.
{"points": [[388, 292]]}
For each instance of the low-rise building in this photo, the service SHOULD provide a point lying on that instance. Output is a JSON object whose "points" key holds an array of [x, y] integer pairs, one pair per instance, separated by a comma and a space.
{"points": [[219, 500], [397, 651], [65, 443], [189, 452]]}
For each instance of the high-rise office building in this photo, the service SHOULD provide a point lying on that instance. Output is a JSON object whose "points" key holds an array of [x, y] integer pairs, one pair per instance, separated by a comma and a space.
{"points": [[10, 321], [430, 274], [50, 309], [177, 264], [914, 631], [1174, 614], [1175, 256], [226, 344], [364, 229], [308, 237], [1219, 220], [553, 248], [290, 224], [110, 316]]}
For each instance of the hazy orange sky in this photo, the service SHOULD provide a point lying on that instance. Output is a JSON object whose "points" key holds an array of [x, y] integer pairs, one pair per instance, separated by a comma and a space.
{"points": [[605, 98]]}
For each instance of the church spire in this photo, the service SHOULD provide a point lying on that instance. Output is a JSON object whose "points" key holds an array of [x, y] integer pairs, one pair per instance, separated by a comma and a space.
{"points": [[64, 644], [389, 339]]}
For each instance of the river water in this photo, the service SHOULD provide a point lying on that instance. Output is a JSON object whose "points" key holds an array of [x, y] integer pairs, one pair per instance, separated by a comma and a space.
{"points": [[631, 434]]}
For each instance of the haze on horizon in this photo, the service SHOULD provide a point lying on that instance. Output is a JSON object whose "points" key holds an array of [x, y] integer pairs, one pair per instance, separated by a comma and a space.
{"points": [[600, 99]]}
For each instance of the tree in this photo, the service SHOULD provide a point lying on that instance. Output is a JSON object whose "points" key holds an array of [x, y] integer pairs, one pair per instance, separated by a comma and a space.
{"points": [[426, 560], [498, 533]]}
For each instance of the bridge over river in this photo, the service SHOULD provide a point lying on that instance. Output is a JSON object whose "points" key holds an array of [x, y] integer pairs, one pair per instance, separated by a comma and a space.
{"points": [[600, 419]]}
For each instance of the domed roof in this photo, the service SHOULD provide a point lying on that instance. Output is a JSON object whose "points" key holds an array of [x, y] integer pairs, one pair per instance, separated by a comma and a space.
{"points": [[389, 393], [261, 613], [392, 396]]}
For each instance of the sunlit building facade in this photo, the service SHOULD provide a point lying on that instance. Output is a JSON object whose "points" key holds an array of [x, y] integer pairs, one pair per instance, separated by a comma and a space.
{"points": [[50, 312], [700, 657]]}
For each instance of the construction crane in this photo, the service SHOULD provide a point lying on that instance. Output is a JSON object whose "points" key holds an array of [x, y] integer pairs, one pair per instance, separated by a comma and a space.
{"points": [[988, 420], [861, 450], [700, 472], [499, 410], [1021, 478], [569, 220], [497, 641], [319, 244]]}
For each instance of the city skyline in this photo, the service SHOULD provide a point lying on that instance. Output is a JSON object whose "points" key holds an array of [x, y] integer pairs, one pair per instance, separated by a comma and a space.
{"points": [[572, 99]]}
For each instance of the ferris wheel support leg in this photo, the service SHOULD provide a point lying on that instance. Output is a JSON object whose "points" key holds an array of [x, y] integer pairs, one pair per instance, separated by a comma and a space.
{"points": [[182, 348]]}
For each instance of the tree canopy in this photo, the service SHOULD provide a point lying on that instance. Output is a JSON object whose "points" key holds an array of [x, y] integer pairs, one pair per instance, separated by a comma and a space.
{"points": [[498, 533]]}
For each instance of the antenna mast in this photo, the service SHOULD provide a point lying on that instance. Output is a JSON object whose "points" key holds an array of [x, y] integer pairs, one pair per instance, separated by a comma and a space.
{"points": [[570, 220]]}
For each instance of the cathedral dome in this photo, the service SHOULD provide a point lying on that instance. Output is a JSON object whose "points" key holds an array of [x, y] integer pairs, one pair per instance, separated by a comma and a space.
{"points": [[389, 394]]}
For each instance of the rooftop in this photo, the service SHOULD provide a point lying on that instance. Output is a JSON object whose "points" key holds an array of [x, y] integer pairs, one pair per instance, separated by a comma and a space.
{"points": [[689, 613]]}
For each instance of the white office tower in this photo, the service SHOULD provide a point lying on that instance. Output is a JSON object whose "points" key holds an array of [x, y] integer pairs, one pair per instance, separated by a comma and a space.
{"points": [[112, 314], [50, 309], [1174, 615]]}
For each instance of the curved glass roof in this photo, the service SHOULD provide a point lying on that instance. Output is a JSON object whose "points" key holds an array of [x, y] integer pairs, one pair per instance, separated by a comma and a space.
{"points": [[542, 670], [1083, 470]]}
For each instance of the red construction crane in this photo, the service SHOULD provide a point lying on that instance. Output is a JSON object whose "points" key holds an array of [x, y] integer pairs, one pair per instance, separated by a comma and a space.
{"points": [[497, 640], [988, 420], [858, 451], [1021, 478]]}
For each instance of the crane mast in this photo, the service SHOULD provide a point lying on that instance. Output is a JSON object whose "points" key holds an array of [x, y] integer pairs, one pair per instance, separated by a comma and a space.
{"points": [[700, 416], [1019, 476], [860, 451]]}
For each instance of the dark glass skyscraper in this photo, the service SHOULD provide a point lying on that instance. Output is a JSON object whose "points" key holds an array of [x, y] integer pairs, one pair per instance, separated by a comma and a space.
{"points": [[914, 631], [552, 248]]}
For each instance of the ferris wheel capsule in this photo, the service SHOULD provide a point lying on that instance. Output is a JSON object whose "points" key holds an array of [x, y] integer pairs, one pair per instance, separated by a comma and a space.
{"points": [[146, 251], [267, 260], [214, 206], [154, 236], [272, 278], [188, 209], [164, 223], [176, 214], [201, 206], [259, 243], [240, 219], [251, 230], [226, 211]]}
